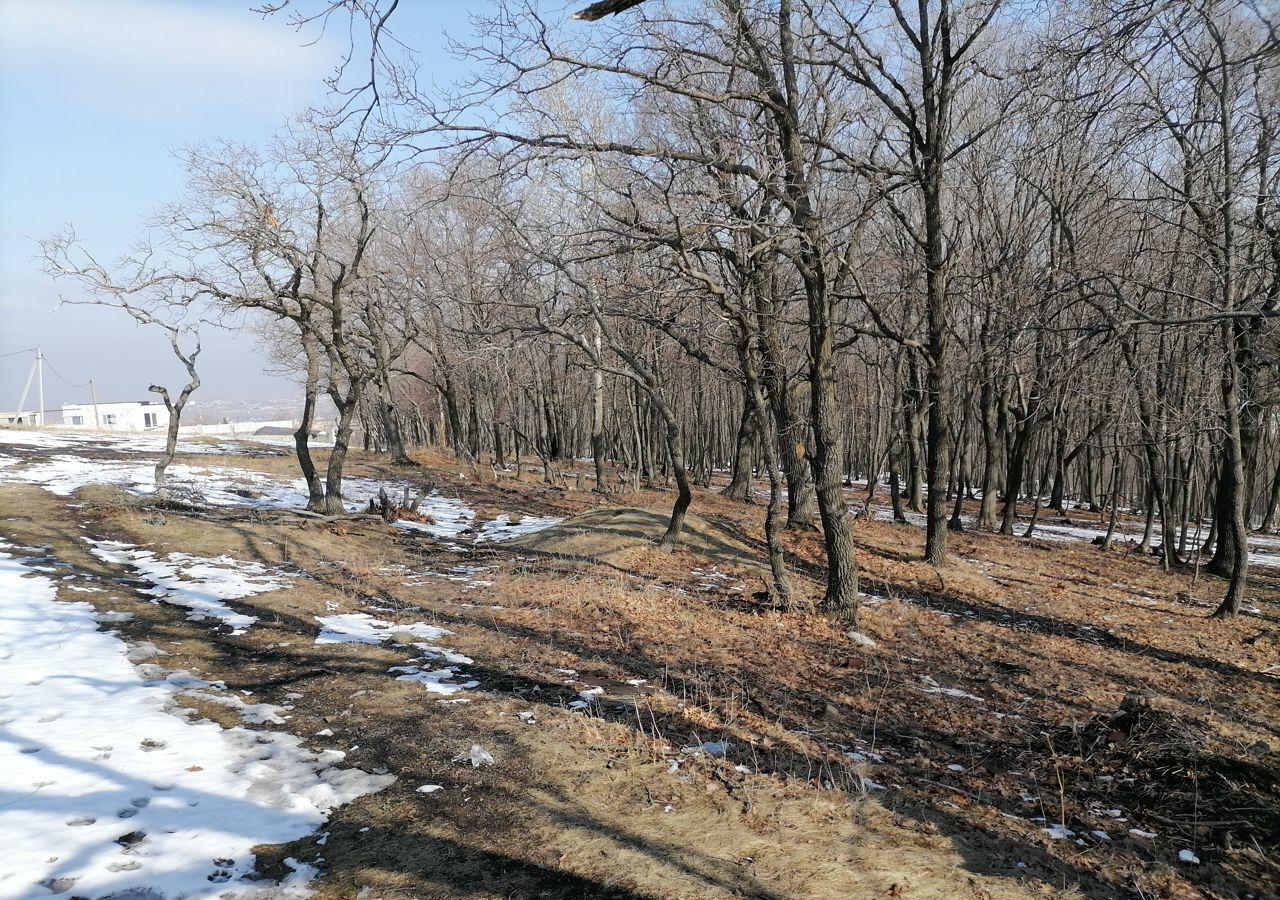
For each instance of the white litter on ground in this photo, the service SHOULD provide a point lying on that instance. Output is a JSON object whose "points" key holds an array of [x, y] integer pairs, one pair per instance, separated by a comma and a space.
{"points": [[62, 474], [112, 793], [462, 574], [200, 584], [932, 687], [477, 756], [432, 652], [125, 442]]}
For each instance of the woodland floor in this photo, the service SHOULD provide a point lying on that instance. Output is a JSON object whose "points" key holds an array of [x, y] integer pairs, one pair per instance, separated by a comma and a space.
{"points": [[979, 749]]}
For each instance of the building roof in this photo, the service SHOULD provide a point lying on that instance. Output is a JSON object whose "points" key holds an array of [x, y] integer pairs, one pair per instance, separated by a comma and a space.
{"points": [[88, 403]]}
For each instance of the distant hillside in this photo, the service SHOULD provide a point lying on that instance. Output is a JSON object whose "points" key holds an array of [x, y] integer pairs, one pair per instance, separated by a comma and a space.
{"points": [[200, 412]]}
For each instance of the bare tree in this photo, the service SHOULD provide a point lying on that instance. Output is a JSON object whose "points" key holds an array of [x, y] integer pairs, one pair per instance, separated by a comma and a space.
{"points": [[152, 297]]}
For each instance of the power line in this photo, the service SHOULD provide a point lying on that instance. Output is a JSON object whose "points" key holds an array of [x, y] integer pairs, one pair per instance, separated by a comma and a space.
{"points": [[16, 352], [60, 376]]}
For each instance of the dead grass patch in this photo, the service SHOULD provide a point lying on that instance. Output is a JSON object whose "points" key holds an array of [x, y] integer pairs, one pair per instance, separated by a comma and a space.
{"points": [[977, 661]]}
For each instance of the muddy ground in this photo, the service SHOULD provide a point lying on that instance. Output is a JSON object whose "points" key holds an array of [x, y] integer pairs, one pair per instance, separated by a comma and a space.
{"points": [[1034, 719]]}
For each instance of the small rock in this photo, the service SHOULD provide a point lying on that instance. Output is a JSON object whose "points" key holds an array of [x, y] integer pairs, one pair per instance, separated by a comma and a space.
{"points": [[859, 638]]}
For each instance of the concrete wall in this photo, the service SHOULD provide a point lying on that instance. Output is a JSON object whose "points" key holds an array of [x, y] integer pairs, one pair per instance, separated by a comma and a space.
{"points": [[133, 415], [241, 429]]}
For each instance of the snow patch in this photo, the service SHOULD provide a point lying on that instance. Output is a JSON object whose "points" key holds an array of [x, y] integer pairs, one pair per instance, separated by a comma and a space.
{"points": [[502, 528], [112, 793], [200, 584], [362, 628]]}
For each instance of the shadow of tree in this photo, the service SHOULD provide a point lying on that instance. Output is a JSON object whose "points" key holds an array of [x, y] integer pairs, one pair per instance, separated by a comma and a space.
{"points": [[451, 867]]}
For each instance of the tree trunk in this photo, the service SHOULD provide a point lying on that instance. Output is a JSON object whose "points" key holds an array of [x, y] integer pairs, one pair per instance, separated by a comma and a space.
{"points": [[455, 437], [302, 437], [341, 442], [1273, 504], [1017, 469], [991, 440], [841, 597], [597, 425], [684, 491], [1232, 527], [391, 428], [740, 485], [1230, 487]]}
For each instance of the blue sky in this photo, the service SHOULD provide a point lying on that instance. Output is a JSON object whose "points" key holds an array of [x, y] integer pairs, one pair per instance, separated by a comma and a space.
{"points": [[95, 97]]}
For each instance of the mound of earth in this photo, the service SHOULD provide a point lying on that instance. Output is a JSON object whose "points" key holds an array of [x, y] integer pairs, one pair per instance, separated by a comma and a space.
{"points": [[618, 535]]}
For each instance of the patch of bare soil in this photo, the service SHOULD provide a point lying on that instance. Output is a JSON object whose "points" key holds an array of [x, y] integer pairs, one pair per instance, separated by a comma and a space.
{"points": [[984, 748]]}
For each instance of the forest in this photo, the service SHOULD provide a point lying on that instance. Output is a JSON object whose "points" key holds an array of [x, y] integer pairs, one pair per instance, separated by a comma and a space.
{"points": [[1026, 254], [774, 448]]}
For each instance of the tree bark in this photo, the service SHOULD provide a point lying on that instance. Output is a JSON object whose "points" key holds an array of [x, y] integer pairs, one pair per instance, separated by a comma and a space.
{"points": [[740, 485]]}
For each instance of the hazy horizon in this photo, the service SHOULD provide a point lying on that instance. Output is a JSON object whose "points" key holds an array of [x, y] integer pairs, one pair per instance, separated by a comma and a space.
{"points": [[95, 98]]}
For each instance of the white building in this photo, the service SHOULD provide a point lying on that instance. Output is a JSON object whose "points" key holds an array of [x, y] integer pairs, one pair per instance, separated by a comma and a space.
{"points": [[21, 418], [132, 415]]}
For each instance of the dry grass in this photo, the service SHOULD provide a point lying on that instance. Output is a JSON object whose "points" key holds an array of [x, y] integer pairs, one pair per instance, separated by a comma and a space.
{"points": [[584, 804]]}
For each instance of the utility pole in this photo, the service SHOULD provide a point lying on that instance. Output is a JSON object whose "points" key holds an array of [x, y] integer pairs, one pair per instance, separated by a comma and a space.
{"points": [[26, 388], [40, 384], [93, 392]]}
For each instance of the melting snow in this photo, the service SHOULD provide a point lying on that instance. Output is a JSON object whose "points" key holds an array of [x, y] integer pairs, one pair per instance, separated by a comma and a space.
{"points": [[362, 628], [200, 584], [112, 792], [64, 472], [502, 528], [438, 681]]}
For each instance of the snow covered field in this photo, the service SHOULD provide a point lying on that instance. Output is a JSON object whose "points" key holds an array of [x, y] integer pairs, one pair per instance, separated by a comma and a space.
{"points": [[68, 468], [109, 787], [122, 443]]}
